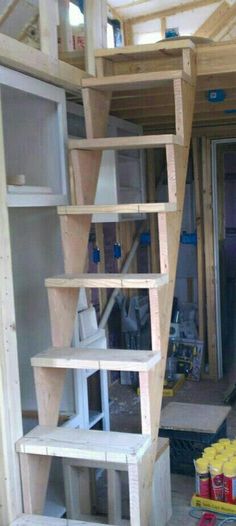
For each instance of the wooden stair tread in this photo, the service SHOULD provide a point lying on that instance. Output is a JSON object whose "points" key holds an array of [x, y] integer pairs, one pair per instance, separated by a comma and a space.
{"points": [[135, 80], [146, 50], [104, 446], [130, 208], [39, 520], [122, 281], [103, 359], [125, 143]]}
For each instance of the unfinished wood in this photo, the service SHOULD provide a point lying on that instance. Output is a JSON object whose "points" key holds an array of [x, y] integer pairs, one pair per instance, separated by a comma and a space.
{"points": [[48, 21], [128, 33], [184, 105], [132, 51], [209, 25], [135, 81], [77, 489], [151, 398], [171, 11], [34, 472], [224, 20], [114, 497], [132, 281], [10, 405], [109, 446], [125, 143], [151, 192], [65, 30], [209, 259], [36, 520], [129, 208], [24, 58], [140, 490], [102, 359], [196, 418], [9, 9], [96, 31], [200, 239], [161, 487]]}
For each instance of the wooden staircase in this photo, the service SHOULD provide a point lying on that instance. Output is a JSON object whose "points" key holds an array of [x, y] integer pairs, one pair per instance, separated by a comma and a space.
{"points": [[112, 450]]}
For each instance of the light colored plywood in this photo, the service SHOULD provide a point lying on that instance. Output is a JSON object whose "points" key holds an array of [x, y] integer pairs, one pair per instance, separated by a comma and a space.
{"points": [[81, 444], [130, 208], [103, 359], [193, 417], [122, 281], [96, 30], [135, 81], [124, 143]]}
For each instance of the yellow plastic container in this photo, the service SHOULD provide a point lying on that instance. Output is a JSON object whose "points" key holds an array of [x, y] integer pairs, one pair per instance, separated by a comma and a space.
{"points": [[225, 441], [219, 447], [209, 452], [202, 477]]}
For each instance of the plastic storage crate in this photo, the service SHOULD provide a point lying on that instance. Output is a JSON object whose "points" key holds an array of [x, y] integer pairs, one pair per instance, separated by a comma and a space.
{"points": [[186, 446], [190, 428]]}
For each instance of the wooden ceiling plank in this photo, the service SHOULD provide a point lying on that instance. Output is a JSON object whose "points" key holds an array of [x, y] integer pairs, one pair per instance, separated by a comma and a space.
{"points": [[188, 6], [9, 9]]}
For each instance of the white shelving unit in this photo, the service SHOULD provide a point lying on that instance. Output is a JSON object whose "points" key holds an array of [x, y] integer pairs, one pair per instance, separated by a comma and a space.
{"points": [[35, 147]]}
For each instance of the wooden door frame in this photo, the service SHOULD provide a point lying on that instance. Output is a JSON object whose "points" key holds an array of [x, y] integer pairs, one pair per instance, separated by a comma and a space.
{"points": [[224, 145]]}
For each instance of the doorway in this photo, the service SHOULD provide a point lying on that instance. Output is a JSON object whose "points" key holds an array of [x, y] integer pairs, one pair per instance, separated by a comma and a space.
{"points": [[224, 210]]}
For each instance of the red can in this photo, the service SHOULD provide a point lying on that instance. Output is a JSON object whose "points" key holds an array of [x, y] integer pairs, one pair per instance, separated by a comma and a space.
{"points": [[202, 478], [229, 471]]}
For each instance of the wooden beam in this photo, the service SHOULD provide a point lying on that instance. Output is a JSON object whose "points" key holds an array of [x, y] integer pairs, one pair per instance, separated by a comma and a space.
{"points": [[24, 58], [9, 9], [200, 239], [10, 405], [128, 33], [66, 37], [210, 24], [163, 27], [209, 259], [183, 7], [48, 21], [96, 31], [224, 21]]}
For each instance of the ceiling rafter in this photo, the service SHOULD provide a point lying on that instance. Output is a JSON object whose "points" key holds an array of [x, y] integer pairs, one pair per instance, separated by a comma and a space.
{"points": [[9, 9], [212, 22], [170, 11]]}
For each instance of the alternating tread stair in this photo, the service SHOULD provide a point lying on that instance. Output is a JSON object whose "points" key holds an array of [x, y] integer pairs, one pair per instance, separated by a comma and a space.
{"points": [[111, 450]]}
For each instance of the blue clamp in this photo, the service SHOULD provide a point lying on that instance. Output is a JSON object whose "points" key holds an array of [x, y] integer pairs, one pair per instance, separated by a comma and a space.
{"points": [[96, 255]]}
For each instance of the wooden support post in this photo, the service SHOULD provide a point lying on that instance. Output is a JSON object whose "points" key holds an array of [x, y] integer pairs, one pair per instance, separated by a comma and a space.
{"points": [[66, 37], [96, 31], [209, 258], [114, 497], [128, 32], [163, 27], [200, 239], [10, 405], [48, 22]]}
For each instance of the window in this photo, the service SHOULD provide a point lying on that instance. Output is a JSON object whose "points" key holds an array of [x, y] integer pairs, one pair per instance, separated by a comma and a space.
{"points": [[76, 17]]}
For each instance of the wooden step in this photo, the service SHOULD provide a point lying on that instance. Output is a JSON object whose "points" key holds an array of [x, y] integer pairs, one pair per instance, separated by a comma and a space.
{"points": [[125, 143], [131, 208], [120, 281], [103, 359], [135, 80], [104, 446], [39, 520]]}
